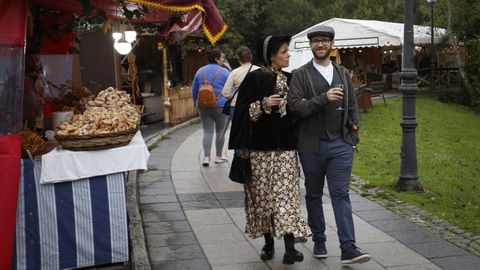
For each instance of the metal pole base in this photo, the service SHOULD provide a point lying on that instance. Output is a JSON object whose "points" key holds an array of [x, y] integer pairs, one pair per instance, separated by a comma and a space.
{"points": [[408, 185]]}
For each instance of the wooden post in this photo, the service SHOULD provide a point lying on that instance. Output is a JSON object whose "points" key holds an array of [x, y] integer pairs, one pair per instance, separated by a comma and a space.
{"points": [[166, 98]]}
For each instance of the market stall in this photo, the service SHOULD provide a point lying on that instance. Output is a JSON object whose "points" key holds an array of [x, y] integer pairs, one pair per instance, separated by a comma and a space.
{"points": [[70, 224], [370, 49], [67, 145]]}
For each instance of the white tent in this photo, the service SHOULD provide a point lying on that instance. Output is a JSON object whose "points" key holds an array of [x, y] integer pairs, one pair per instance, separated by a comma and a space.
{"points": [[351, 33]]}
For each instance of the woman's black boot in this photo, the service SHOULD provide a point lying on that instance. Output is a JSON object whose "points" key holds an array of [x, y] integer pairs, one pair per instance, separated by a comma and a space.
{"points": [[291, 254], [268, 249]]}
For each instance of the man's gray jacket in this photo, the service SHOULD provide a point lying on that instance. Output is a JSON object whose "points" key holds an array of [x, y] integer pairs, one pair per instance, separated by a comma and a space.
{"points": [[306, 102]]}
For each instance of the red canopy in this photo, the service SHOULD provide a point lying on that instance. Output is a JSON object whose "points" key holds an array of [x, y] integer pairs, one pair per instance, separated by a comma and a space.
{"points": [[12, 19], [160, 11]]}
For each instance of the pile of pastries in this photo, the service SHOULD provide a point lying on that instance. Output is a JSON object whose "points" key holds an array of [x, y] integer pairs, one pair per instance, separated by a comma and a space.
{"points": [[110, 111]]}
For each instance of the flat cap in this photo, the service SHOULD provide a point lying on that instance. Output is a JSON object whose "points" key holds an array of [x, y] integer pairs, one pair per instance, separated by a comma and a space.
{"points": [[321, 30]]}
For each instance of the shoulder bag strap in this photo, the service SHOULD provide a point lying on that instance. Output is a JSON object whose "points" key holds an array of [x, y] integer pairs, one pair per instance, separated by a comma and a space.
{"points": [[244, 79], [213, 78], [204, 77]]}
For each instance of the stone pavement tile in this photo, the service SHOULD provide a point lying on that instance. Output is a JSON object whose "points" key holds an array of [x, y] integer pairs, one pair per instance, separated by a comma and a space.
{"points": [[393, 254], [163, 216], [193, 197], [154, 159], [371, 235], [365, 206], [171, 239], [236, 195], [166, 189], [467, 262], [243, 266], [185, 166], [232, 203], [153, 174], [218, 234], [357, 198], [157, 207], [219, 171], [225, 187], [194, 264], [201, 205], [238, 216], [166, 227], [157, 165], [375, 215], [437, 249], [187, 176], [159, 254], [418, 235], [158, 198], [207, 217], [190, 183], [359, 222], [429, 266], [193, 188], [394, 225], [143, 185], [230, 253]]}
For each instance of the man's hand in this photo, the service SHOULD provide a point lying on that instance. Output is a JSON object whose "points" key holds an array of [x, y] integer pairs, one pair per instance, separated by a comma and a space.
{"points": [[334, 94]]}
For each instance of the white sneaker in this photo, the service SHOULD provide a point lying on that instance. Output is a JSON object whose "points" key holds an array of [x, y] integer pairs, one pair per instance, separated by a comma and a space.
{"points": [[206, 161], [222, 159]]}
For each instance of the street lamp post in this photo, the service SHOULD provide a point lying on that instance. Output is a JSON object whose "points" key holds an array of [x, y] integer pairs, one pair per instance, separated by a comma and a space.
{"points": [[408, 179], [432, 48]]}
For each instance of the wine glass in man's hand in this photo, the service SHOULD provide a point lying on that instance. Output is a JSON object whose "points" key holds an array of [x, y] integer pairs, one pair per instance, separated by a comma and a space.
{"points": [[341, 87]]}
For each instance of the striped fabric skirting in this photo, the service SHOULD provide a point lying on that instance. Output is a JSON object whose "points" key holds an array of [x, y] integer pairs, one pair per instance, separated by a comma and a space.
{"points": [[70, 224]]}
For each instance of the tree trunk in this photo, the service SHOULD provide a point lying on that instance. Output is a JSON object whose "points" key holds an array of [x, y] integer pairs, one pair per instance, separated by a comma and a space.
{"points": [[452, 40]]}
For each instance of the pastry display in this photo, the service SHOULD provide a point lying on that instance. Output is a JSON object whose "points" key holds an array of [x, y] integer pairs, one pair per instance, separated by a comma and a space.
{"points": [[110, 112]]}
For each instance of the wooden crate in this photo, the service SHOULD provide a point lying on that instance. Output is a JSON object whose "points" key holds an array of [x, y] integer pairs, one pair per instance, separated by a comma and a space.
{"points": [[182, 108]]}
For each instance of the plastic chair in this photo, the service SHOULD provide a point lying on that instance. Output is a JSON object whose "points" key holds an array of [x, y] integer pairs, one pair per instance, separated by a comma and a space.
{"points": [[378, 90]]}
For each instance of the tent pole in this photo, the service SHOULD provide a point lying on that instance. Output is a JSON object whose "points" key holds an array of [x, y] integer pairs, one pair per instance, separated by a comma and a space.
{"points": [[166, 98]]}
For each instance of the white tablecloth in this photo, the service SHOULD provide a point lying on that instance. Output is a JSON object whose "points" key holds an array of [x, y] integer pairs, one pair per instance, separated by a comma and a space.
{"points": [[62, 165]]}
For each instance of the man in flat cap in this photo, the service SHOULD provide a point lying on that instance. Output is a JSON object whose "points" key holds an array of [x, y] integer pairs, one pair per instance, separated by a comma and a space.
{"points": [[322, 100]]}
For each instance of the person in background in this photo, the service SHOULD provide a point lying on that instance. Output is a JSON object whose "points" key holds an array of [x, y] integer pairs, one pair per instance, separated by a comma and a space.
{"points": [[34, 92], [225, 62], [244, 56], [261, 127], [326, 131], [212, 118]]}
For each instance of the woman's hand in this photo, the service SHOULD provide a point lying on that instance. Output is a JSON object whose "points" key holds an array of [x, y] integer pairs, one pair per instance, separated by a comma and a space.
{"points": [[273, 100]]}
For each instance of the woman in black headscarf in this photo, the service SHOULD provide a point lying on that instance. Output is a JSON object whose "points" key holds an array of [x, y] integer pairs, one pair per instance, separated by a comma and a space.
{"points": [[262, 127]]}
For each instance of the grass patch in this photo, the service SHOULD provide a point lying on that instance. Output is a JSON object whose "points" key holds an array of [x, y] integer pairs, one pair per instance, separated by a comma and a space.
{"points": [[448, 157]]}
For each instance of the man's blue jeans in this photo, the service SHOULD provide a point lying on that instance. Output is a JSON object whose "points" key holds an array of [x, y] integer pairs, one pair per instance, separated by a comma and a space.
{"points": [[333, 161]]}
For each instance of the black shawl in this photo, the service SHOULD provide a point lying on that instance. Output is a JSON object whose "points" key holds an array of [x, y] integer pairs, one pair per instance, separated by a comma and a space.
{"points": [[270, 131]]}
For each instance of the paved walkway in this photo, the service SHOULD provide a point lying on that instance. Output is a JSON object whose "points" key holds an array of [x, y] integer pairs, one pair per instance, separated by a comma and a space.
{"points": [[194, 219]]}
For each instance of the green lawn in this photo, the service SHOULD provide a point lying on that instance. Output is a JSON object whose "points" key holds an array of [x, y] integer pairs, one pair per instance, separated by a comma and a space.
{"points": [[448, 157]]}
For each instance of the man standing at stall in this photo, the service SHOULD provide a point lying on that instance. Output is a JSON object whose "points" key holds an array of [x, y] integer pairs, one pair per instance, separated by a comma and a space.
{"points": [[322, 100]]}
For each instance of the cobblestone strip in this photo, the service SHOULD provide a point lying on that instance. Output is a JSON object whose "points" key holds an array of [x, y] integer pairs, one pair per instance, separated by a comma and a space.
{"points": [[459, 237]]}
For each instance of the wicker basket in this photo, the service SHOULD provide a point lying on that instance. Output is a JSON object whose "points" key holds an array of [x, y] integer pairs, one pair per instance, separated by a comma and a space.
{"points": [[96, 142]]}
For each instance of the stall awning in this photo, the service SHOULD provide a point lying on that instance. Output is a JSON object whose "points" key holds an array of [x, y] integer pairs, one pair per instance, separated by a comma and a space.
{"points": [[351, 33]]}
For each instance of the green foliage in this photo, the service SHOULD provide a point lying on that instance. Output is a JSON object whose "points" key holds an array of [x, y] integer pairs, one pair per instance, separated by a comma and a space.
{"points": [[473, 71], [448, 154]]}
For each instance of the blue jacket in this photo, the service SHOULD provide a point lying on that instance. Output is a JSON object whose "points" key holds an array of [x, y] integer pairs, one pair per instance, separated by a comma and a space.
{"points": [[217, 84]]}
